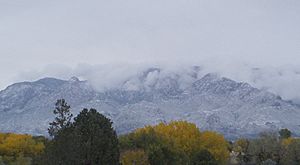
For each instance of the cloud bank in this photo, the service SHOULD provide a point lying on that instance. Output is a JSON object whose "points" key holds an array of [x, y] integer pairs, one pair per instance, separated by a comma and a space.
{"points": [[108, 41], [283, 81]]}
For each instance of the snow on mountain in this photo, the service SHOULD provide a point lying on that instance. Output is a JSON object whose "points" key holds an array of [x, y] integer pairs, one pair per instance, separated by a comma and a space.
{"points": [[212, 102]]}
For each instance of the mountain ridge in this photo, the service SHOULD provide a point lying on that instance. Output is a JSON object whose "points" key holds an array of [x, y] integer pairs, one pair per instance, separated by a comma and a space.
{"points": [[210, 101]]}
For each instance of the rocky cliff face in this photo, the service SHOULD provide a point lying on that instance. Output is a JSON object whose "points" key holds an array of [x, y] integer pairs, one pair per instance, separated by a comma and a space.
{"points": [[212, 102]]}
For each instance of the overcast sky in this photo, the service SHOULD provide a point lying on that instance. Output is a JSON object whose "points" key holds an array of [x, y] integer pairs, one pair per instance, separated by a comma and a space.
{"points": [[39, 37]]}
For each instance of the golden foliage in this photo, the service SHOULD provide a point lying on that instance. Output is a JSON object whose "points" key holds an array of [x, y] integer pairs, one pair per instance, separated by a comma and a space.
{"points": [[216, 144], [185, 137], [134, 157], [18, 144], [286, 142], [181, 135]]}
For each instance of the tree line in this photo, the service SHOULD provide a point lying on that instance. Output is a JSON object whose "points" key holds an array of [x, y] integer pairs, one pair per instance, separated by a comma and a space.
{"points": [[89, 139]]}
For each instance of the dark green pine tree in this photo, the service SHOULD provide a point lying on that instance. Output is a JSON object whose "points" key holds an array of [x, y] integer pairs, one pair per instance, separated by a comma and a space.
{"points": [[89, 140], [62, 119], [285, 133], [96, 140]]}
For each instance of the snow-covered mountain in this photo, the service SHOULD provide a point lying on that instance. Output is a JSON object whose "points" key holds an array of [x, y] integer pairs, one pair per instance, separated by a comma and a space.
{"points": [[153, 96]]}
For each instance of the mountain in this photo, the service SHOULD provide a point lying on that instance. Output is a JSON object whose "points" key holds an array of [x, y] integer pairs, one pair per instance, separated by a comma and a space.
{"points": [[212, 102]]}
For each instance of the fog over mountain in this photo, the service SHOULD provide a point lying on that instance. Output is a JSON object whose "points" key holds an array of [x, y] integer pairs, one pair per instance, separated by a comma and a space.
{"points": [[72, 37], [283, 81], [230, 66], [151, 96]]}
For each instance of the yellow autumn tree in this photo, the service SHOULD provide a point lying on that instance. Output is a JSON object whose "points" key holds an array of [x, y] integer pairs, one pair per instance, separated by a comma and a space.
{"points": [[216, 144], [134, 157], [286, 142], [184, 137], [19, 147], [15, 144]]}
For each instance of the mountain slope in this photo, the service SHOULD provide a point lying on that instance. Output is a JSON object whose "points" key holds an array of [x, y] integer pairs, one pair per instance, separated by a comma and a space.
{"points": [[214, 103]]}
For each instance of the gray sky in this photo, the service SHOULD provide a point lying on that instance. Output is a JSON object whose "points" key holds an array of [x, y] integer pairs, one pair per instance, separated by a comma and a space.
{"points": [[53, 38]]}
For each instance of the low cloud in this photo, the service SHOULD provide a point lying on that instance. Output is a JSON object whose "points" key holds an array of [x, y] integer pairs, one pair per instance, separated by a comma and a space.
{"points": [[107, 42], [283, 81]]}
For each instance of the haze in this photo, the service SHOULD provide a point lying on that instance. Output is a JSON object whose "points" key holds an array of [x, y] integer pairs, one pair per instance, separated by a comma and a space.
{"points": [[62, 38]]}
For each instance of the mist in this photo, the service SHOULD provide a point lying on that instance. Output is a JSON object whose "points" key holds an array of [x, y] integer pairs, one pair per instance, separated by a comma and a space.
{"points": [[107, 42], [283, 81]]}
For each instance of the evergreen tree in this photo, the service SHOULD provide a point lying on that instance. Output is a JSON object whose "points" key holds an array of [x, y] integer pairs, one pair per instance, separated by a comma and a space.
{"points": [[89, 140], [62, 119], [285, 133], [97, 141]]}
